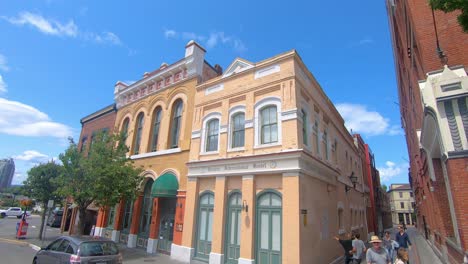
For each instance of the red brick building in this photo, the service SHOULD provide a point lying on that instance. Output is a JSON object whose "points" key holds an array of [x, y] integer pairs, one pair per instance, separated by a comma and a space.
{"points": [[101, 120], [431, 59]]}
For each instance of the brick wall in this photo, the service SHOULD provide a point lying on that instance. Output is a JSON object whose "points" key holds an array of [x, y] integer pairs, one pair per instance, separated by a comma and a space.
{"points": [[102, 122]]}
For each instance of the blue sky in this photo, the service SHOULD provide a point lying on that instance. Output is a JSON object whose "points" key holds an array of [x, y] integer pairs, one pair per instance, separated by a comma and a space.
{"points": [[60, 59]]}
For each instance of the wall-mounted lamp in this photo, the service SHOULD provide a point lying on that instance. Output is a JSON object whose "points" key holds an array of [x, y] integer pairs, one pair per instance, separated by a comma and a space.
{"points": [[353, 179], [245, 206]]}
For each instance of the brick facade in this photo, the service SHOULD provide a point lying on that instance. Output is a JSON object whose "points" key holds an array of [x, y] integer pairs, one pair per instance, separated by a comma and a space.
{"points": [[441, 197]]}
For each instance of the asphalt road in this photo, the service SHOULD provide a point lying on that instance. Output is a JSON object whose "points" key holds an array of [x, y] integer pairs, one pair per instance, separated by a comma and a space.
{"points": [[15, 252]]}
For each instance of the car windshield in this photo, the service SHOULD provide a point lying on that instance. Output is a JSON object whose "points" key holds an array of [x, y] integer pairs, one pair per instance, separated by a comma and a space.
{"points": [[98, 248]]}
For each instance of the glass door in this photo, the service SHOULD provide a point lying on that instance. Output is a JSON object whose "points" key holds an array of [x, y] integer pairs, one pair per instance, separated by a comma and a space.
{"points": [[205, 226], [232, 242]]}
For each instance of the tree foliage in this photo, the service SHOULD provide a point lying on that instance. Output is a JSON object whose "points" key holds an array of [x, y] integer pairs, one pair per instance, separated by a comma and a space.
{"points": [[384, 187], [103, 176], [42, 185], [452, 5]]}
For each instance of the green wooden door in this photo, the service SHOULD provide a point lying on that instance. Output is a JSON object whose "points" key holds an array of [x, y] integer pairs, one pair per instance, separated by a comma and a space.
{"points": [[269, 228], [232, 242], [205, 226], [146, 211]]}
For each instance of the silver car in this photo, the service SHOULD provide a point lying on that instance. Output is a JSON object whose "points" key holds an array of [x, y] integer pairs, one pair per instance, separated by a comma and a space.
{"points": [[79, 250]]}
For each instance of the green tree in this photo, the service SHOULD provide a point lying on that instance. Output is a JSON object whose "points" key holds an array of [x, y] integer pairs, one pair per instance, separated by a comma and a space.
{"points": [[103, 176], [384, 187], [41, 185], [452, 5]]}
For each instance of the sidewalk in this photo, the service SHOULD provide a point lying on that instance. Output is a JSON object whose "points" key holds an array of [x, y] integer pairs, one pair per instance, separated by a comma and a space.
{"points": [[421, 252]]}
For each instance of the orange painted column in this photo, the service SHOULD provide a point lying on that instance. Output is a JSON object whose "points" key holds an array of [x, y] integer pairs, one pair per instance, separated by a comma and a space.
{"points": [[179, 218], [64, 218], [119, 215], [291, 246], [136, 215], [155, 217], [132, 237], [247, 252]]}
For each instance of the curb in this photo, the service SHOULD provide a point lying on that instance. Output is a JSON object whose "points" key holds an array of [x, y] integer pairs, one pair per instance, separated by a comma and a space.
{"points": [[37, 248]]}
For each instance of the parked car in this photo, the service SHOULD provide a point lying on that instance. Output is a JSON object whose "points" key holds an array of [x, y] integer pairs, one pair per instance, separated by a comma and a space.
{"points": [[13, 211], [77, 250], [55, 218]]}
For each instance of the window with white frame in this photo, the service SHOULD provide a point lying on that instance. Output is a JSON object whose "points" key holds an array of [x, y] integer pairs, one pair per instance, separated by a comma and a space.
{"points": [[267, 122], [155, 129], [237, 130], [269, 125], [317, 137], [212, 134], [176, 123], [304, 127]]}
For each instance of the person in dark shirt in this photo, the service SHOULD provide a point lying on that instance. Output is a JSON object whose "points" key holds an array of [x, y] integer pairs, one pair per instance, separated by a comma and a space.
{"points": [[347, 245], [402, 239]]}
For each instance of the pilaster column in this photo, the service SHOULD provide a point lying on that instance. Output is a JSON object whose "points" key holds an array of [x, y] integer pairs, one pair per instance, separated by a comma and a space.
{"points": [[154, 227], [132, 237], [291, 246], [101, 221], [119, 214], [179, 217], [247, 245], [186, 251], [216, 255]]}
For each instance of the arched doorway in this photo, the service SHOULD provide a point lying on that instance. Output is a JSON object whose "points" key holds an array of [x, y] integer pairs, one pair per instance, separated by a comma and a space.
{"points": [[145, 215], [233, 228], [165, 189], [205, 226], [269, 227]]}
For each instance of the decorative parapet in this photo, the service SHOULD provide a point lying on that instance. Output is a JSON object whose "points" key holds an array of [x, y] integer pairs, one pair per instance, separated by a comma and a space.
{"points": [[163, 78]]}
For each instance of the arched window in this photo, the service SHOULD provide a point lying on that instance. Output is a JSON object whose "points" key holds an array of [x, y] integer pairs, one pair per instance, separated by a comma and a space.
{"points": [[238, 130], [155, 130], [147, 207], [139, 130], [212, 133], [125, 128], [176, 123], [304, 127], [269, 125], [127, 217]]}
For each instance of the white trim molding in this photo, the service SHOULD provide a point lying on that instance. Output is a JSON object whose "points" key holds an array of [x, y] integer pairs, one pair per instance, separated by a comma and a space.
{"points": [[214, 89], [267, 71], [216, 258], [181, 253], [132, 240], [152, 245], [157, 153], [276, 101]]}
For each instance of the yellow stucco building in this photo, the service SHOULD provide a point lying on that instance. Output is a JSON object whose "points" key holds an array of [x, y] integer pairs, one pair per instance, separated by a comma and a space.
{"points": [[269, 169], [402, 204]]}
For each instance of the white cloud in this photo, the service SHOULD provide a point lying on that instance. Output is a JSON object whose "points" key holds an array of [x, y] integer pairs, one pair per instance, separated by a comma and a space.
{"points": [[18, 178], [56, 28], [3, 85], [366, 40], [360, 120], [214, 39], [24, 120], [392, 170], [46, 26], [169, 33], [33, 157], [3, 63]]}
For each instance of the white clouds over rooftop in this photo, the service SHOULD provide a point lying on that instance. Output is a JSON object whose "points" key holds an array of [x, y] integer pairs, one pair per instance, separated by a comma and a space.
{"points": [[361, 120], [3, 63], [215, 38], [3, 85], [392, 170], [53, 27], [23, 120]]}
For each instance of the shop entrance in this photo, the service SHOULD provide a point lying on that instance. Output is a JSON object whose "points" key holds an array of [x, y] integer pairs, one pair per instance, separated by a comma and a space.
{"points": [[232, 241], [166, 226]]}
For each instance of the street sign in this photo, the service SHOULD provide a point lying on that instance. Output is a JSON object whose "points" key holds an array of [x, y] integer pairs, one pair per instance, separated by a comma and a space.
{"points": [[50, 204]]}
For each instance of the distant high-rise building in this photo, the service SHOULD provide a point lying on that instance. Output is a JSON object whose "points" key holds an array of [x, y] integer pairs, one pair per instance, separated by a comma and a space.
{"points": [[7, 170]]}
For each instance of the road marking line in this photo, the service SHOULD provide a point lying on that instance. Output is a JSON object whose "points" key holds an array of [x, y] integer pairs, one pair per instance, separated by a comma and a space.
{"points": [[13, 241]]}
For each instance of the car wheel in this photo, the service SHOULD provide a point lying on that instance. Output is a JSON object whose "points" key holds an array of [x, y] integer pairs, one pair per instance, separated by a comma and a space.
{"points": [[3, 215], [18, 216], [34, 261]]}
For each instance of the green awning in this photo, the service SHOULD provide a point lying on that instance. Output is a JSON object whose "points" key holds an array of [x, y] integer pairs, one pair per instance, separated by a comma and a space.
{"points": [[165, 185]]}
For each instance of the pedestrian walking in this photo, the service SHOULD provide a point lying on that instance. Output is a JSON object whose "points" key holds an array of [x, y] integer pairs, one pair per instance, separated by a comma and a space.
{"points": [[402, 239], [390, 245], [359, 249], [465, 259], [347, 245], [377, 254], [402, 256]]}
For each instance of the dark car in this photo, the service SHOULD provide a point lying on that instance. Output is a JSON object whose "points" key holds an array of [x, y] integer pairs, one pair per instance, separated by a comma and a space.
{"points": [[79, 250], [55, 218]]}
